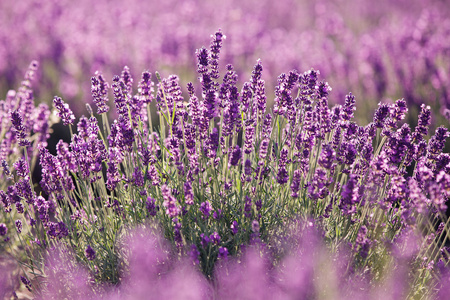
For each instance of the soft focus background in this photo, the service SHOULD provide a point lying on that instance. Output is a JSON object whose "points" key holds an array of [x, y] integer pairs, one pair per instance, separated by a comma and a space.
{"points": [[394, 49]]}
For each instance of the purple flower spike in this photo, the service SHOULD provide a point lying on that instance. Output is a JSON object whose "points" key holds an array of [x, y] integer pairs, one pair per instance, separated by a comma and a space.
{"points": [[235, 156], [90, 253], [381, 115], [223, 253], [64, 111], [349, 107], [19, 226], [146, 87], [21, 168], [215, 238], [3, 229], [170, 202], [99, 89], [423, 123], [206, 208], [216, 45], [20, 130], [234, 227], [151, 206]]}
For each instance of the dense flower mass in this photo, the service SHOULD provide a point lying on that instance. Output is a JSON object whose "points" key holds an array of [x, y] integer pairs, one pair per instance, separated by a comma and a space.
{"points": [[225, 179]]}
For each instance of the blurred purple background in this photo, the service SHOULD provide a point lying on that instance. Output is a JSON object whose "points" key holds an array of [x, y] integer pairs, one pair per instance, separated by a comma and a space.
{"points": [[387, 49]]}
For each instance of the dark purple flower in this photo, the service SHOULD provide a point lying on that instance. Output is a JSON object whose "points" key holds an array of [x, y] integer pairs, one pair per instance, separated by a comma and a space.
{"points": [[215, 238], [120, 98], [282, 175], [18, 225], [3, 229], [99, 90], [64, 112], [398, 110], [212, 143], [327, 156], [283, 98], [347, 153], [437, 142], [423, 122], [263, 148], [202, 58], [6, 169], [138, 177], [205, 208], [223, 253], [170, 202], [318, 186], [151, 206], [350, 195], [188, 195], [90, 253], [19, 128], [4, 198], [246, 95], [19, 207], [127, 80], [255, 226], [26, 282], [248, 206], [381, 114], [63, 231], [349, 107], [249, 136], [295, 185], [235, 156], [204, 240], [234, 227], [21, 167], [216, 45], [145, 87]]}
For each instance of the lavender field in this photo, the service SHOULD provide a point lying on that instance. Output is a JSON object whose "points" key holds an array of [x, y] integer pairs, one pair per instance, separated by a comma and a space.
{"points": [[298, 152]]}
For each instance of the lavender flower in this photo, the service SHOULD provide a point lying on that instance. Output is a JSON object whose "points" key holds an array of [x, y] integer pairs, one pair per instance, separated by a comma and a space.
{"points": [[282, 175], [64, 111], [145, 87], [18, 225], [295, 185], [3, 229], [223, 253], [349, 107], [423, 123], [26, 282], [381, 115], [188, 195], [21, 168], [99, 89], [234, 227], [19, 128], [6, 169], [235, 156], [215, 238], [170, 202], [327, 156], [350, 195], [89, 253], [205, 208]]}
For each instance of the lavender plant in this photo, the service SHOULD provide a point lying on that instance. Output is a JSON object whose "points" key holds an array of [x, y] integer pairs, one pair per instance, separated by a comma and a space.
{"points": [[221, 172], [24, 129]]}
